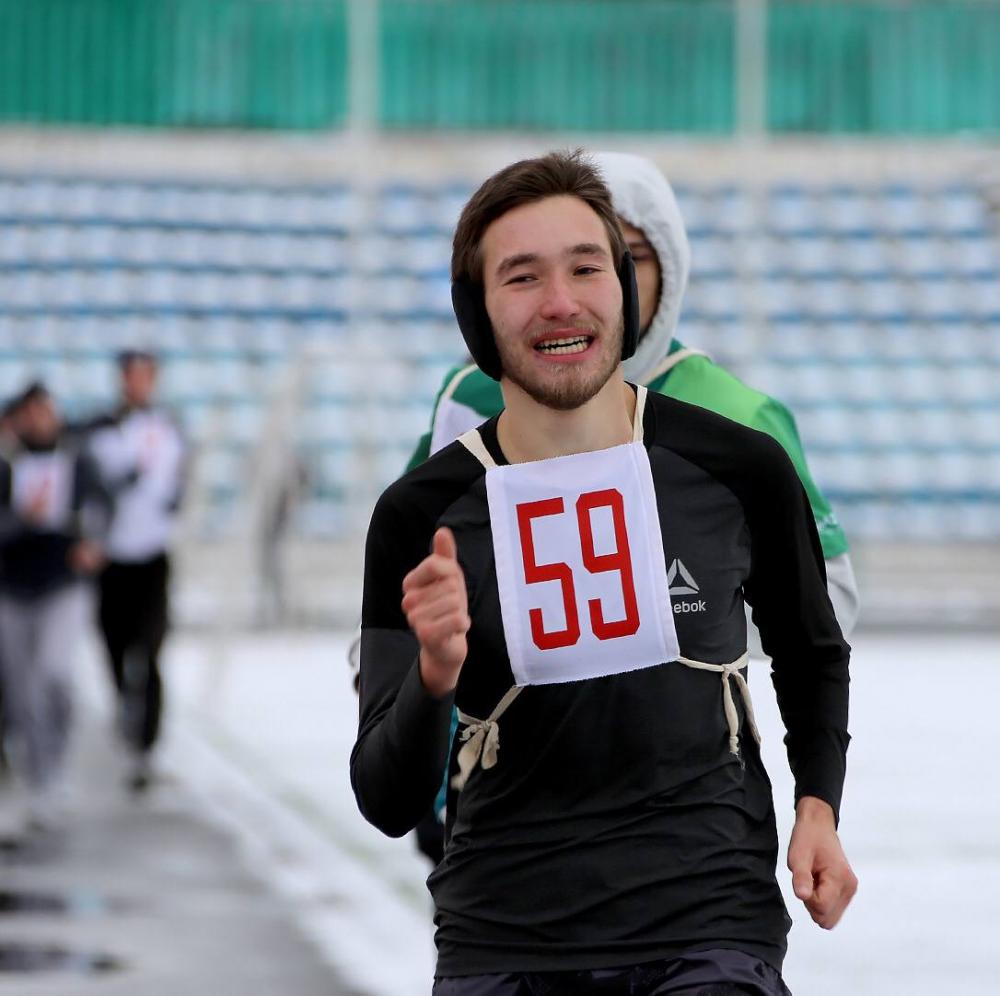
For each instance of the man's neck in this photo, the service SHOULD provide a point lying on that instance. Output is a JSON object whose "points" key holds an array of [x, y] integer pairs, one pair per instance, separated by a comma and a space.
{"points": [[528, 430]]}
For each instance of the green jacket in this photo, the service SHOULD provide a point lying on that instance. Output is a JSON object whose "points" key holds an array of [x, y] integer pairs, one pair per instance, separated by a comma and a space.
{"points": [[468, 397]]}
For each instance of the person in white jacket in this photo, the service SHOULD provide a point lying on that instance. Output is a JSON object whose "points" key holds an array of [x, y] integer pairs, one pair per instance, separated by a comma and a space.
{"points": [[140, 451]]}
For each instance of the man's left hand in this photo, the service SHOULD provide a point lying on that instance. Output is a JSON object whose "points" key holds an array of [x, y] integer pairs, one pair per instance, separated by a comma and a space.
{"points": [[821, 876], [86, 557]]}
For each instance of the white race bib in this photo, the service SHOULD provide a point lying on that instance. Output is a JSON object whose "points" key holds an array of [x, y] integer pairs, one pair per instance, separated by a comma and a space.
{"points": [[580, 566], [43, 487]]}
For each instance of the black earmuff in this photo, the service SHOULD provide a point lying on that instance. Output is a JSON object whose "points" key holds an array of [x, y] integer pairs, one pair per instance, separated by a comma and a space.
{"points": [[469, 302], [630, 306]]}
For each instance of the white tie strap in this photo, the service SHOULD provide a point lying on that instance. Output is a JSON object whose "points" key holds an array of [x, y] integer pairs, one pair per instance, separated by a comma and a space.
{"points": [[731, 671], [481, 738]]}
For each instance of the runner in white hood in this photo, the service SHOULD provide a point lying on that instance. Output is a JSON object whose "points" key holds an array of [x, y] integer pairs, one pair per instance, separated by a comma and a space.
{"points": [[645, 202], [654, 229]]}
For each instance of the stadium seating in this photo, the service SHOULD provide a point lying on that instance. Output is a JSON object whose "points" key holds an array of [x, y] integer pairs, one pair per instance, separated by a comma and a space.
{"points": [[872, 310]]}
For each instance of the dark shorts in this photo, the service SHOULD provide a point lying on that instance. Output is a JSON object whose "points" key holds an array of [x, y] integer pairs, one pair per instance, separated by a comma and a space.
{"points": [[719, 972]]}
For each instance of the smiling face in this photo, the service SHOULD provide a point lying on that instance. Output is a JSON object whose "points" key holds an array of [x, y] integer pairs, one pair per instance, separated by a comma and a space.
{"points": [[554, 300]]}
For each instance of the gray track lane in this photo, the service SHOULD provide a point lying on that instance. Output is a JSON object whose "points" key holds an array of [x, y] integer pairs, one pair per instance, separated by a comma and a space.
{"points": [[160, 888]]}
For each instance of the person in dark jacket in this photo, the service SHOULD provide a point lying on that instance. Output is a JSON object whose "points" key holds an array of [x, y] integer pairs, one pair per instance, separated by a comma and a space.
{"points": [[8, 443], [49, 493]]}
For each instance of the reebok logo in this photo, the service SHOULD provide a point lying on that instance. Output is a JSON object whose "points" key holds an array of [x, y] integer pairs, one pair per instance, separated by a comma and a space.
{"points": [[689, 586], [680, 607], [686, 585]]}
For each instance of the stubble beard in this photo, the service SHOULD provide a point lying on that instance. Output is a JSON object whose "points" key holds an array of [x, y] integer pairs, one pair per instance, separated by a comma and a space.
{"points": [[568, 387]]}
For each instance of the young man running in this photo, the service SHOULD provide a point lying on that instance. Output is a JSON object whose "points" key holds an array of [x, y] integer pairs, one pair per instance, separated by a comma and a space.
{"points": [[620, 836]]}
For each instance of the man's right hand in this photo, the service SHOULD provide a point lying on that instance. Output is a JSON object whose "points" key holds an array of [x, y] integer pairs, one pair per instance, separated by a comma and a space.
{"points": [[436, 607], [37, 507]]}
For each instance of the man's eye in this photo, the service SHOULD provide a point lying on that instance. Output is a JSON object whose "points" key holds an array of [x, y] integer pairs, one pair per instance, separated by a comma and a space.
{"points": [[521, 278], [587, 269]]}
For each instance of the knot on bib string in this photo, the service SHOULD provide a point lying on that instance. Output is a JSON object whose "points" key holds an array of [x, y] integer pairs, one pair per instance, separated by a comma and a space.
{"points": [[731, 671], [481, 740]]}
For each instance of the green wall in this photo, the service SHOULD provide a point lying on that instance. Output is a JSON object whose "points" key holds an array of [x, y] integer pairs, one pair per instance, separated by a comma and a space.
{"points": [[176, 63], [605, 65], [923, 67]]}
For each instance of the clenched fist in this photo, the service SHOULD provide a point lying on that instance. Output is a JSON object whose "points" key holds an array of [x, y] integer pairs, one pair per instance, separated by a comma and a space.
{"points": [[821, 876], [437, 609]]}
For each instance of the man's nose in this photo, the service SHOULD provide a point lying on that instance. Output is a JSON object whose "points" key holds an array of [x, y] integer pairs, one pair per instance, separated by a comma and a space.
{"points": [[559, 301]]}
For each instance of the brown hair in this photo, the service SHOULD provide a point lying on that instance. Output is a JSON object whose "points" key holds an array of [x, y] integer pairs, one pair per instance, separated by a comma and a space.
{"points": [[524, 182]]}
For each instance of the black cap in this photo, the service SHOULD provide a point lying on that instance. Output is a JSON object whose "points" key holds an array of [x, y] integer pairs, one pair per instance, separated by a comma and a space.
{"points": [[33, 392], [129, 356]]}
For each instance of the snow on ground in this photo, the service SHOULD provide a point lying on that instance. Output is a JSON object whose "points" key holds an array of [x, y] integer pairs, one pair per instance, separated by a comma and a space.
{"points": [[265, 722]]}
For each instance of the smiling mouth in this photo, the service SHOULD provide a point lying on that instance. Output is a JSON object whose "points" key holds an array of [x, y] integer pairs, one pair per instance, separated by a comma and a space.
{"points": [[575, 344]]}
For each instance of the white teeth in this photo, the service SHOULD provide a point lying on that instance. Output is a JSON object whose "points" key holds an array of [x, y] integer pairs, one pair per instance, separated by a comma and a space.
{"points": [[575, 345]]}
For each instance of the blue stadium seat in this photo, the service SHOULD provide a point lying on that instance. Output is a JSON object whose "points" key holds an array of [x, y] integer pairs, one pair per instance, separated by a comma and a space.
{"points": [[901, 211], [960, 210], [790, 210], [845, 212], [880, 310], [817, 256], [974, 256]]}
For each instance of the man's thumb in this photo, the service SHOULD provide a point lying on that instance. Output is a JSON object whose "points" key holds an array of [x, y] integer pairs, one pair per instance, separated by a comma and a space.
{"points": [[802, 884], [444, 544]]}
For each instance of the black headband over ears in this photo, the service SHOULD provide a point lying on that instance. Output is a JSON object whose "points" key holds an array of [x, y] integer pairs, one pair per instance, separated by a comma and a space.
{"points": [[469, 303]]}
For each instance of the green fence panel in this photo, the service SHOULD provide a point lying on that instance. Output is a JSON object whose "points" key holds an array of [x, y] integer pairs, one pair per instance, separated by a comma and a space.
{"points": [[888, 67], [259, 64], [189, 63], [630, 65], [924, 67], [942, 60]]}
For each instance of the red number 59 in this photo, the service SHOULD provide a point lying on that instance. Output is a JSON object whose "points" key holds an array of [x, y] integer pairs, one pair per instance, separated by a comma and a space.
{"points": [[620, 560]]}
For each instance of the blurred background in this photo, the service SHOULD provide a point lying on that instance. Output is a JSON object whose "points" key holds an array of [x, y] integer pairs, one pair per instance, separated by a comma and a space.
{"points": [[263, 192]]}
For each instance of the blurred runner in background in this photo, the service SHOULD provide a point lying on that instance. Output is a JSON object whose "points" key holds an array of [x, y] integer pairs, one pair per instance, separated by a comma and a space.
{"points": [[49, 491], [140, 452], [8, 444]]}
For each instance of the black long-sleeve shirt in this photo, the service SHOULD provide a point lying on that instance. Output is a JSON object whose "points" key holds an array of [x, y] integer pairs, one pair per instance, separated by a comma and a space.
{"points": [[34, 556], [617, 826]]}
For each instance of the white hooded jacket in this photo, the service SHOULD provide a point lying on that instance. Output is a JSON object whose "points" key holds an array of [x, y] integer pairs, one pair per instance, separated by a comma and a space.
{"points": [[643, 197]]}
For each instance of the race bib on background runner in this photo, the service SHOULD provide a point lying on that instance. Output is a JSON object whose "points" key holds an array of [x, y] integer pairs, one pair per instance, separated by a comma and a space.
{"points": [[580, 566], [43, 483]]}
